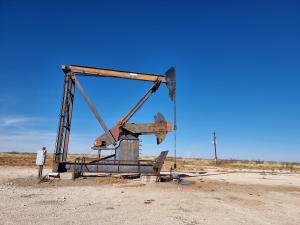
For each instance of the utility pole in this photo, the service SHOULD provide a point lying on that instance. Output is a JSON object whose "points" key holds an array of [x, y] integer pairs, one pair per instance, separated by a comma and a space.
{"points": [[215, 146], [175, 128]]}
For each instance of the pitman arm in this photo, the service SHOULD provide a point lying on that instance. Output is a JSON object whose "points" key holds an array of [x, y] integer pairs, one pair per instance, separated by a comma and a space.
{"points": [[104, 139]]}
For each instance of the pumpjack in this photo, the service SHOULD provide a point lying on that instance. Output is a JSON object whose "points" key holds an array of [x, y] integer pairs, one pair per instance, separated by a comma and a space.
{"points": [[123, 138]]}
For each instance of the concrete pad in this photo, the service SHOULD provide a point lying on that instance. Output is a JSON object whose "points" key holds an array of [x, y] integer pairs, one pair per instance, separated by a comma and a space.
{"points": [[67, 176], [148, 179]]}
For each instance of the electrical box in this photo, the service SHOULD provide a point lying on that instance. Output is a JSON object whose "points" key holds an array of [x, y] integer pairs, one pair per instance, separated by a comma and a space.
{"points": [[40, 157]]}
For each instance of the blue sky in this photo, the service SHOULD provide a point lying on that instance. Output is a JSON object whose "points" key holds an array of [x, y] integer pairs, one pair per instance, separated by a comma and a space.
{"points": [[238, 72]]}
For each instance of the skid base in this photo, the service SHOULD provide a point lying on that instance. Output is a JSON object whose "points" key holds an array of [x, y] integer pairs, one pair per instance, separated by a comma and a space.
{"points": [[96, 165]]}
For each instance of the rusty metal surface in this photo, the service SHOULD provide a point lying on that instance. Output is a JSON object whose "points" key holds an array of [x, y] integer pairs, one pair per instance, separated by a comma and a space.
{"points": [[93, 71], [128, 150], [148, 128], [92, 165], [103, 140], [159, 129], [159, 161], [65, 119]]}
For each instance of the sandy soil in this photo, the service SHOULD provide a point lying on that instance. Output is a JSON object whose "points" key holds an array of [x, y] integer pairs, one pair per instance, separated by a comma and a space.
{"points": [[211, 198]]}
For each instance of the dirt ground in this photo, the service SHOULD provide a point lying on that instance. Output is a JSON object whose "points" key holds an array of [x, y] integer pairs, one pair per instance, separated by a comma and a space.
{"points": [[210, 198]]}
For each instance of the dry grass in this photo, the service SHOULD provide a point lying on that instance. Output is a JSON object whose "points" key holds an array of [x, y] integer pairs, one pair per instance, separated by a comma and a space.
{"points": [[201, 164], [28, 159], [25, 159]]}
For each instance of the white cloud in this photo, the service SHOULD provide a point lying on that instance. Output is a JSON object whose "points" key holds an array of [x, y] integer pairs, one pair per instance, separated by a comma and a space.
{"points": [[27, 141], [31, 140], [11, 121], [16, 134]]}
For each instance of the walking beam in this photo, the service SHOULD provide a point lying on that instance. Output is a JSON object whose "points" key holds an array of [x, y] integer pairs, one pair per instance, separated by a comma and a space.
{"points": [[100, 72]]}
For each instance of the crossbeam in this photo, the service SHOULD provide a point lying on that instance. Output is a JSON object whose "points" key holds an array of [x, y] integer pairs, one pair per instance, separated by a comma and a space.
{"points": [[93, 71]]}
